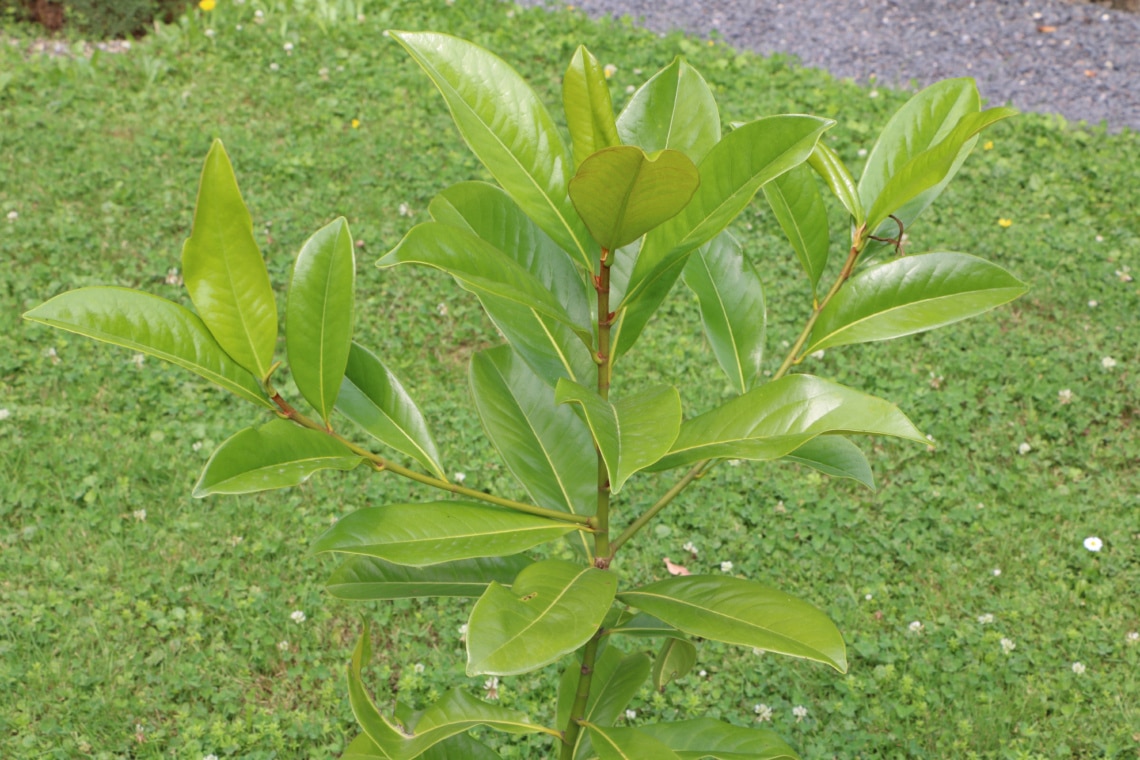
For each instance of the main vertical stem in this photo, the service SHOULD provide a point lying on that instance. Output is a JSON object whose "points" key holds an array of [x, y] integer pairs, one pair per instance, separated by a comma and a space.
{"points": [[602, 516]]}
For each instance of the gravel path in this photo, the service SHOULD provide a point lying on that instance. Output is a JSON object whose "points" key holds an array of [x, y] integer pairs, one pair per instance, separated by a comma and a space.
{"points": [[1082, 61]]}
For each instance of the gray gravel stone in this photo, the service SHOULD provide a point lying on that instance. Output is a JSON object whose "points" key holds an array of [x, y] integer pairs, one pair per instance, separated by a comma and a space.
{"points": [[1081, 61]]}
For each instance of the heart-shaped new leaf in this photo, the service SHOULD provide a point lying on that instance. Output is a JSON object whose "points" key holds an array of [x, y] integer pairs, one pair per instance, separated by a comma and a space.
{"points": [[830, 166], [552, 608], [589, 109], [777, 418], [318, 315], [367, 578], [632, 433], [373, 398], [143, 322], [708, 739], [674, 110], [910, 295], [278, 454], [224, 272], [437, 531], [737, 611], [621, 193], [456, 713]]}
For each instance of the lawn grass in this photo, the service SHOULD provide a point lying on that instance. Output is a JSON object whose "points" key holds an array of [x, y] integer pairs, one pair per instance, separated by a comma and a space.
{"points": [[170, 635]]}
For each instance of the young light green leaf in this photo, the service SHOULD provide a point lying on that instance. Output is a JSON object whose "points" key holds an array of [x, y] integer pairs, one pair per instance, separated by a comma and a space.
{"points": [[627, 744], [550, 347], [922, 178], [508, 129], [367, 578], [675, 659], [589, 109], [798, 206], [433, 532], [830, 166], [731, 174], [545, 445], [621, 193], [675, 109], [373, 398], [318, 315], [278, 454], [152, 325], [775, 419], [731, 298], [633, 433], [224, 272], [705, 738], [836, 456], [479, 268], [456, 713], [910, 295], [738, 611], [552, 608]]}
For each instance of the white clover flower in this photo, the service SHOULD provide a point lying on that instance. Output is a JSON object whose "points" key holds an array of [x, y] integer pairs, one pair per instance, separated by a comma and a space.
{"points": [[139, 514], [915, 627], [690, 547], [463, 632], [1132, 637], [817, 354], [862, 153], [630, 89], [138, 360], [13, 216], [196, 446], [1007, 646], [288, 47], [405, 210], [234, 541], [726, 567], [418, 667], [631, 714], [460, 477], [1024, 448], [210, 757], [1093, 544], [491, 686], [986, 619], [5, 414], [780, 508], [441, 309], [1108, 362], [258, 16], [800, 712], [210, 33], [873, 94], [609, 70], [273, 66], [297, 617], [733, 462], [1079, 668], [1100, 238], [1065, 396], [763, 713], [996, 571], [283, 646], [868, 597], [703, 673], [1093, 304]]}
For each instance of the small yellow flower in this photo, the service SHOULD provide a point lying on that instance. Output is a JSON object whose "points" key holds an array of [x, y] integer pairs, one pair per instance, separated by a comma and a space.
{"points": [[355, 123], [207, 5], [1005, 222], [989, 145], [711, 43]]}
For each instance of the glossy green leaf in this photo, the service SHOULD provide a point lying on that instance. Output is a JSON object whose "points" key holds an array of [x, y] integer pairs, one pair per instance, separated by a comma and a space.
{"points": [[732, 307], [798, 206], [589, 109], [775, 419], [318, 315], [910, 295], [675, 109], [224, 272], [151, 325], [456, 713], [508, 129], [705, 738], [731, 174], [616, 679], [277, 454], [433, 532], [367, 578], [627, 744], [479, 268], [923, 177], [373, 398], [830, 167], [546, 446], [640, 625], [738, 611], [674, 660], [552, 608], [550, 347], [836, 456], [621, 192], [458, 746], [632, 433], [923, 122]]}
